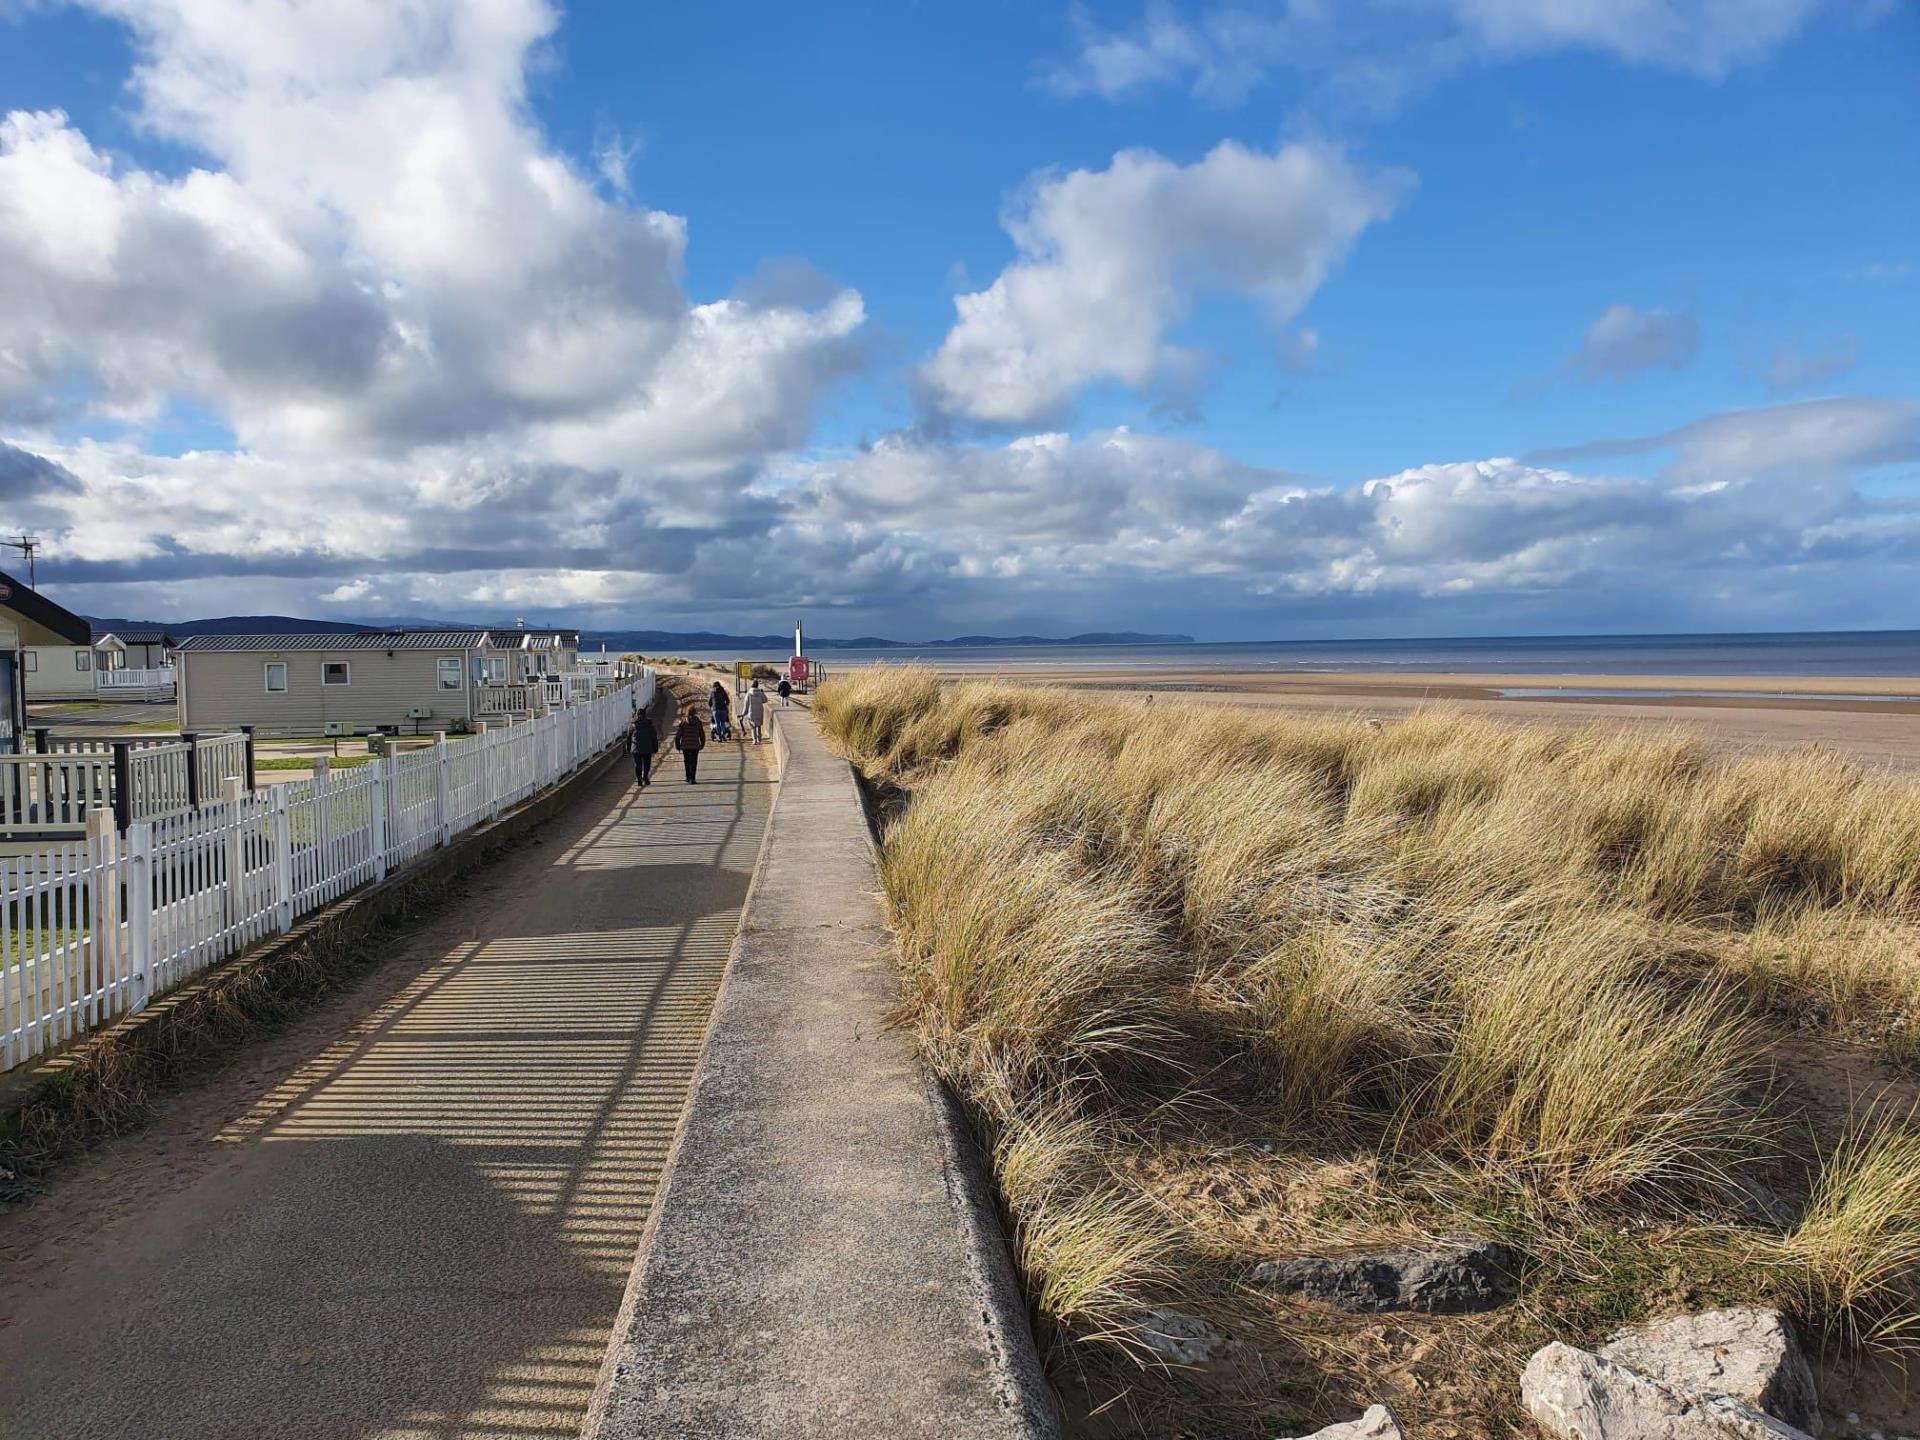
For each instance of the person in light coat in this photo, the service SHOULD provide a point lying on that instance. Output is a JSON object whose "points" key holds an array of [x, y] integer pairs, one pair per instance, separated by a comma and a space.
{"points": [[753, 708]]}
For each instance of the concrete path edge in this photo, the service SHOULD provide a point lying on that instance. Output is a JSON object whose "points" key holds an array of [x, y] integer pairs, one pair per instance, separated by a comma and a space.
{"points": [[740, 1319]]}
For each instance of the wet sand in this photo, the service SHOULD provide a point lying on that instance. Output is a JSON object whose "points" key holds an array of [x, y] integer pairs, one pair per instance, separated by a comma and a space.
{"points": [[1778, 713]]}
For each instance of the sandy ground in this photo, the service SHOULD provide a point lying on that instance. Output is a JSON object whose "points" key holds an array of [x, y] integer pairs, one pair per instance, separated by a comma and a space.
{"points": [[1791, 712], [411, 1216]]}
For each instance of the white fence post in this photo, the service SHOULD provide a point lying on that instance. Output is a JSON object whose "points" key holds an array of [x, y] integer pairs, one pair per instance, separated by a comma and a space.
{"points": [[103, 912], [233, 796], [442, 820], [377, 802], [282, 860], [140, 911], [389, 783], [322, 825], [497, 743]]}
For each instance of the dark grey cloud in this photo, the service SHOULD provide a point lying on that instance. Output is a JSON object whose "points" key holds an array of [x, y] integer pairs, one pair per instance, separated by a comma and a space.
{"points": [[26, 477]]}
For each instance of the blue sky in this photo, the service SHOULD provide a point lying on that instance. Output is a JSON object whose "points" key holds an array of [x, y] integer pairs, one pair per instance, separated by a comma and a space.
{"points": [[1443, 316]]}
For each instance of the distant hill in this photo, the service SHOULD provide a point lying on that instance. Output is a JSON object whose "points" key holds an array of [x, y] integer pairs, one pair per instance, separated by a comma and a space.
{"points": [[651, 641], [656, 640], [229, 625]]}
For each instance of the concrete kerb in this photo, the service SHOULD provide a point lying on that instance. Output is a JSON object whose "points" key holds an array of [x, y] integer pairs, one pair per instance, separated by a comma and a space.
{"points": [[823, 1257], [352, 915]]}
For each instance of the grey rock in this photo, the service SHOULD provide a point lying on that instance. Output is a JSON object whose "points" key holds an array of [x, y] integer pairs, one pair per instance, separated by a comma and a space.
{"points": [[1183, 1339], [1458, 1278], [1575, 1395], [1749, 1354], [1379, 1423]]}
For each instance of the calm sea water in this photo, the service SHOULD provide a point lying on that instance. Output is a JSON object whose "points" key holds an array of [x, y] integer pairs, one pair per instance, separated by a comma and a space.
{"points": [[1850, 652]]}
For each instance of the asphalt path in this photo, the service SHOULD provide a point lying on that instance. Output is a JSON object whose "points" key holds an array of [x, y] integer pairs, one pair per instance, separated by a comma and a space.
{"points": [[413, 1215]]}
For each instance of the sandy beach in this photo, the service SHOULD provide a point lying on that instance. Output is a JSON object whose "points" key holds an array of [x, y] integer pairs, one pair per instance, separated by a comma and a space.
{"points": [[1873, 718]]}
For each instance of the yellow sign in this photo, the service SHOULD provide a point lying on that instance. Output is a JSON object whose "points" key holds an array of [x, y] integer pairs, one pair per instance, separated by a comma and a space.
{"points": [[743, 670]]}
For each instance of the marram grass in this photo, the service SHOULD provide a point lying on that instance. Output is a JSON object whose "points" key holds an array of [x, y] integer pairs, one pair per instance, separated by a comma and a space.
{"points": [[1537, 972]]}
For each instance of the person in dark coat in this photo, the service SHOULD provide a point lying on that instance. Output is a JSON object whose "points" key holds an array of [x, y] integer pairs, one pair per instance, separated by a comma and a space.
{"points": [[642, 741], [720, 707], [786, 692], [690, 738]]}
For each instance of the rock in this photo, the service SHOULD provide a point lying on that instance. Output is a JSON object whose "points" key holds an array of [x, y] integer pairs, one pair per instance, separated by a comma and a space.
{"points": [[1183, 1339], [1575, 1395], [1458, 1278], [1749, 1354], [1379, 1423]]}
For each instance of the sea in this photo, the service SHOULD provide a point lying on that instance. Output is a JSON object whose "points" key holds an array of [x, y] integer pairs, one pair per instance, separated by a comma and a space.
{"points": [[1801, 654]]}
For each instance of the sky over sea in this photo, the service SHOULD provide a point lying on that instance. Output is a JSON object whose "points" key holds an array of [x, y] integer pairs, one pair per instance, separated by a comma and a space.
{"points": [[1385, 317]]}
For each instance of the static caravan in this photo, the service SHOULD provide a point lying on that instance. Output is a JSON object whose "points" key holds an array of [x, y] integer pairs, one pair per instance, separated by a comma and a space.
{"points": [[59, 672], [147, 648], [518, 655], [414, 680], [46, 653]]}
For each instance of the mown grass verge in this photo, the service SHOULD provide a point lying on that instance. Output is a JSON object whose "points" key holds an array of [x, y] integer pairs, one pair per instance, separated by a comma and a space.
{"points": [[1224, 986]]}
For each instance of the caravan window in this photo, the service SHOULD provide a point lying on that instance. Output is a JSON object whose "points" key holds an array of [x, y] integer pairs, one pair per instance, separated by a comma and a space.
{"points": [[449, 672], [336, 672], [83, 660], [33, 661], [275, 675]]}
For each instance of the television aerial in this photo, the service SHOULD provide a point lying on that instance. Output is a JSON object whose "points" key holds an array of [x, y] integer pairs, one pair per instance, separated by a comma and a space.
{"points": [[26, 545]]}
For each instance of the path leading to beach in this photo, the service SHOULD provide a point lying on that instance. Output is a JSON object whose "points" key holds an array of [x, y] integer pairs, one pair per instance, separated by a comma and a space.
{"points": [[412, 1215]]}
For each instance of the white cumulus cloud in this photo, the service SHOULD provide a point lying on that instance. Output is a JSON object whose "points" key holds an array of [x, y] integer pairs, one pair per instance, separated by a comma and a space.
{"points": [[1110, 260], [376, 248]]}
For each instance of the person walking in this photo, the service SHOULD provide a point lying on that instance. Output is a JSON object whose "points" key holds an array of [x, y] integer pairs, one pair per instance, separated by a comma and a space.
{"points": [[786, 692], [720, 706], [690, 738], [642, 742], [753, 707]]}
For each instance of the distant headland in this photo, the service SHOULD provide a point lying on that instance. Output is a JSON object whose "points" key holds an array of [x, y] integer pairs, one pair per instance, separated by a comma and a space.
{"points": [[629, 639]]}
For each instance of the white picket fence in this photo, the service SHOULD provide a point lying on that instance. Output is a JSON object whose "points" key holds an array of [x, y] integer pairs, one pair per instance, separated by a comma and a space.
{"points": [[93, 929]]}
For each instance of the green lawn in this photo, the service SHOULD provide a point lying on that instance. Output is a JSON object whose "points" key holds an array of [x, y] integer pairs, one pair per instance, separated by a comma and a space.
{"points": [[305, 762]]}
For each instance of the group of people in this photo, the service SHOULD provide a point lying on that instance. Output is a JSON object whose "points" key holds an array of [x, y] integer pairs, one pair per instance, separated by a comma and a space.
{"points": [[690, 732]]}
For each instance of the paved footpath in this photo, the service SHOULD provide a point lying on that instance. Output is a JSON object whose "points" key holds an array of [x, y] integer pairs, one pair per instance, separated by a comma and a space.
{"points": [[414, 1215]]}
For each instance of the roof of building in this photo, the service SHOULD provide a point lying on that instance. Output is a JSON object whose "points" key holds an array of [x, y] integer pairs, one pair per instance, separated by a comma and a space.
{"points": [[533, 638], [349, 640], [23, 600], [139, 635]]}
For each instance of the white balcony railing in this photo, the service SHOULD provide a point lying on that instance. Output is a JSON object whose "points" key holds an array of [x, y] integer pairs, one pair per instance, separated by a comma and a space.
{"points": [[508, 699], [156, 679]]}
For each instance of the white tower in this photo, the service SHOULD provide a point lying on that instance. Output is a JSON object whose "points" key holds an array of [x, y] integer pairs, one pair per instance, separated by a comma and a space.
{"points": [[798, 647]]}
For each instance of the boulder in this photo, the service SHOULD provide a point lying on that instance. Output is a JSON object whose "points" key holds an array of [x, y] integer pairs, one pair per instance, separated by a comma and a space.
{"points": [[1749, 1354], [1456, 1278], [1379, 1423], [1182, 1339], [1575, 1395]]}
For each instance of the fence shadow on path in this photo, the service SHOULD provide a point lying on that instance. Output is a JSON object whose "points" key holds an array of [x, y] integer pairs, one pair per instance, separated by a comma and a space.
{"points": [[425, 1230]]}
